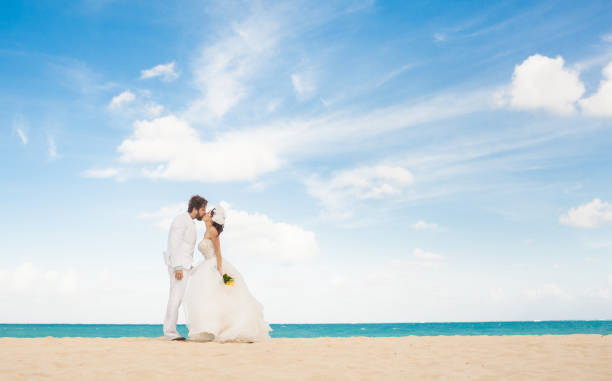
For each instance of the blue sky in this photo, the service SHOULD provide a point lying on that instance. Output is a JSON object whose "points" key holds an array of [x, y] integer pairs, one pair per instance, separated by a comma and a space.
{"points": [[381, 161]]}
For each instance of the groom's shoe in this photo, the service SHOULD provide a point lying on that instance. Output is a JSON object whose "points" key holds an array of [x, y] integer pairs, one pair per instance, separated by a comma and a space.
{"points": [[180, 338]]}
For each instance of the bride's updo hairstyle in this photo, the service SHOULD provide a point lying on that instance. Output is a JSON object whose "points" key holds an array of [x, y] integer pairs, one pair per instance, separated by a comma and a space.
{"points": [[217, 226]]}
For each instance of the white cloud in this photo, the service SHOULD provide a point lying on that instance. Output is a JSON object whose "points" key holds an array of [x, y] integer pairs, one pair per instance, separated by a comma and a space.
{"points": [[52, 147], [607, 37], [600, 103], [253, 235], [426, 255], [167, 72], [343, 189], [590, 215], [303, 84], [158, 140], [422, 225], [122, 99], [256, 235], [545, 83], [439, 37], [180, 154]]}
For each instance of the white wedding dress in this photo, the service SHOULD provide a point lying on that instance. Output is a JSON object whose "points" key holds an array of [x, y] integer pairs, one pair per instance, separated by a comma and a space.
{"points": [[216, 311]]}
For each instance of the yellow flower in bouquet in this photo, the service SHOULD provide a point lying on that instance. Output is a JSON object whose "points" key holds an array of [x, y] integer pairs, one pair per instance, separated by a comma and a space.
{"points": [[228, 280]]}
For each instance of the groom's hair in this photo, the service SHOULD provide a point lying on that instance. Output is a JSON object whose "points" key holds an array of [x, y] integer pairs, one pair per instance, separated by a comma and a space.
{"points": [[196, 202]]}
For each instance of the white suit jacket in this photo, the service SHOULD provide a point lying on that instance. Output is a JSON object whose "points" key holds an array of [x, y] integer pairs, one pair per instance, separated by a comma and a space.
{"points": [[181, 242]]}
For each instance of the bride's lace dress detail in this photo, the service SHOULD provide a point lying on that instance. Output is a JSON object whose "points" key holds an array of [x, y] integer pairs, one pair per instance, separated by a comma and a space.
{"points": [[218, 312]]}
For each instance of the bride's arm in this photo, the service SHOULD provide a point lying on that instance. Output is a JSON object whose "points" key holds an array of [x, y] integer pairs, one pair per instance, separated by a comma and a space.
{"points": [[217, 244]]}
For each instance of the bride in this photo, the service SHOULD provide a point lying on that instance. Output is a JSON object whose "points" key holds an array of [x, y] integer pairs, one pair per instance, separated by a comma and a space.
{"points": [[215, 310]]}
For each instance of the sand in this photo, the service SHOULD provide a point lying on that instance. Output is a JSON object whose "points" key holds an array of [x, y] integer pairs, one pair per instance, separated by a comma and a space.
{"points": [[571, 357]]}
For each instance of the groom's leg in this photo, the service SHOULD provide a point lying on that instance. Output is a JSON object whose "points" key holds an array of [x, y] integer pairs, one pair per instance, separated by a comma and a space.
{"points": [[177, 289]]}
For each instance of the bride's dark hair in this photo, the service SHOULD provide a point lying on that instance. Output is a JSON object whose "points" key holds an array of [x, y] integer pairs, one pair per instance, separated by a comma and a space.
{"points": [[216, 225]]}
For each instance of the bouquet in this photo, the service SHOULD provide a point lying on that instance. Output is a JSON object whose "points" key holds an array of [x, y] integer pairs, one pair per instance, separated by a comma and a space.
{"points": [[228, 280]]}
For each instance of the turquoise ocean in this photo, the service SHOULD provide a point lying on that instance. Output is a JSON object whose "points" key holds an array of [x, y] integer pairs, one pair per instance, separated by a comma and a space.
{"points": [[601, 327]]}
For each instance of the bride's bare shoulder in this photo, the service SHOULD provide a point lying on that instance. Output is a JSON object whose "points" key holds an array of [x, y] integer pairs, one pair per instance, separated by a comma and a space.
{"points": [[211, 233]]}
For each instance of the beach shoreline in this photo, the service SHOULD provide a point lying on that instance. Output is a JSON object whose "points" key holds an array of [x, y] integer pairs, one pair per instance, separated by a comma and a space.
{"points": [[412, 357]]}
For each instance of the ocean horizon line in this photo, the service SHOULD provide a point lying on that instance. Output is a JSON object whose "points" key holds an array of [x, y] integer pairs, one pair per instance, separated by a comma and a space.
{"points": [[315, 330], [355, 323]]}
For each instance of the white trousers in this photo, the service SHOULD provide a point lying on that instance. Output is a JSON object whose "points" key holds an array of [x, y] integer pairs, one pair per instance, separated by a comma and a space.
{"points": [[175, 297]]}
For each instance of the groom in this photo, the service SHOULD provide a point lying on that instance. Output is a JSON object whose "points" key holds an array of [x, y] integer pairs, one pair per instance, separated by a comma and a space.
{"points": [[179, 257]]}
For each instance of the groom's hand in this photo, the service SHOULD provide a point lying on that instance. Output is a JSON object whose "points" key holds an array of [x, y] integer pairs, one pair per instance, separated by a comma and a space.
{"points": [[178, 274]]}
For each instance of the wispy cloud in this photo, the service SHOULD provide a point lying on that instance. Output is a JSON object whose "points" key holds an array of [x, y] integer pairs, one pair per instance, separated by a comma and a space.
{"points": [[152, 109], [341, 193], [439, 37], [303, 84], [167, 72], [135, 105], [105, 173], [222, 69], [391, 75], [52, 148], [273, 105], [422, 225], [421, 258], [22, 136], [486, 23], [426, 255], [79, 77], [247, 48], [598, 60], [20, 126], [122, 99]]}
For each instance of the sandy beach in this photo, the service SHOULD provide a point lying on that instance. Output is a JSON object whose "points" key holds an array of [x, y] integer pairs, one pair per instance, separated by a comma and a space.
{"points": [[571, 357]]}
